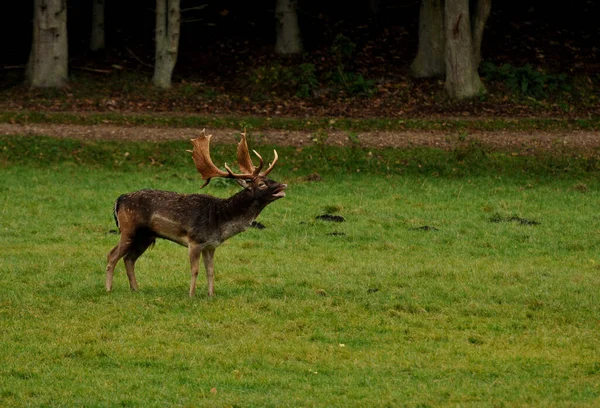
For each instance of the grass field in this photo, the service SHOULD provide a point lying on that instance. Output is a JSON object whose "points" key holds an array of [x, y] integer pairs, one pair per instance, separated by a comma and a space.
{"points": [[495, 304]]}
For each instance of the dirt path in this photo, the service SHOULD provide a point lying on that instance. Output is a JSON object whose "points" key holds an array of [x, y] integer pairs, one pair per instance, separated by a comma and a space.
{"points": [[520, 142]]}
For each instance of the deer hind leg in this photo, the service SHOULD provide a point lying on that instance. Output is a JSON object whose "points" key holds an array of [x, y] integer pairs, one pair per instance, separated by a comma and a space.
{"points": [[113, 257], [136, 249]]}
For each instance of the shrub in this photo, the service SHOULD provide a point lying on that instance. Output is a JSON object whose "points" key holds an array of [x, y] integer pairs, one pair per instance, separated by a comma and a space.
{"points": [[526, 80], [351, 82], [354, 83], [299, 80]]}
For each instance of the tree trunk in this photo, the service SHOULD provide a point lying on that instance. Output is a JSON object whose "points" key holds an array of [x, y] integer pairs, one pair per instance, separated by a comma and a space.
{"points": [[478, 19], [288, 39], [48, 60], [168, 22], [462, 78], [430, 59], [374, 11], [97, 42]]}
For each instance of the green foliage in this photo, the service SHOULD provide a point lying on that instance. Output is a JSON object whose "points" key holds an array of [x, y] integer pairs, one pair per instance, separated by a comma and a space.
{"points": [[526, 80], [306, 80], [352, 83], [342, 49], [299, 80], [373, 311]]}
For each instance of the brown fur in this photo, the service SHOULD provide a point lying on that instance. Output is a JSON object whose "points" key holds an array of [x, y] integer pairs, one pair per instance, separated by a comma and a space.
{"points": [[198, 221]]}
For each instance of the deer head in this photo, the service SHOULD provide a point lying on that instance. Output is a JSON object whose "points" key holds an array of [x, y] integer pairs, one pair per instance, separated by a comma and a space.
{"points": [[251, 177]]}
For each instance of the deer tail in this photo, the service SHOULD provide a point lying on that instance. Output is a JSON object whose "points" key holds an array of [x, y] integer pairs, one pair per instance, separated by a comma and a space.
{"points": [[116, 209]]}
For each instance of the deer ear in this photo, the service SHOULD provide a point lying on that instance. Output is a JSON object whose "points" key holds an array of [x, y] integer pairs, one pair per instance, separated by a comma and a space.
{"points": [[243, 183]]}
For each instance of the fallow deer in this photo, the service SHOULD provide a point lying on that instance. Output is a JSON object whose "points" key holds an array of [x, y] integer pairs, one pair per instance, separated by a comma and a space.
{"points": [[198, 221]]}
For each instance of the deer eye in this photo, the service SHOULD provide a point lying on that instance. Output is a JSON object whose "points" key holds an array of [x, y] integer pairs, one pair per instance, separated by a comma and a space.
{"points": [[262, 185]]}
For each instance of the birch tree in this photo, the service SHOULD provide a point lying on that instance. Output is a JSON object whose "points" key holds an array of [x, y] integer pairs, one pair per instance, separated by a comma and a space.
{"points": [[168, 25], [289, 40], [47, 66], [97, 39]]}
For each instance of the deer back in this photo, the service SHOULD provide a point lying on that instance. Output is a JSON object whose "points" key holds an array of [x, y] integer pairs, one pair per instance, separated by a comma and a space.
{"points": [[201, 218]]}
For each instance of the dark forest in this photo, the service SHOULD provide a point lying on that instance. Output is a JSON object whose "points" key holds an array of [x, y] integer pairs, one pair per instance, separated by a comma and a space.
{"points": [[223, 41]]}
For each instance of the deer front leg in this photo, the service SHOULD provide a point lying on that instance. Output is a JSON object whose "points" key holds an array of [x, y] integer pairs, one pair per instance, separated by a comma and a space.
{"points": [[195, 251], [208, 256]]}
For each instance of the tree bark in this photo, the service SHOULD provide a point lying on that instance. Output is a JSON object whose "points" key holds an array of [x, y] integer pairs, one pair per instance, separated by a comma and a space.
{"points": [[168, 24], [97, 39], [289, 40], [462, 78], [478, 20], [430, 59], [48, 60], [374, 11]]}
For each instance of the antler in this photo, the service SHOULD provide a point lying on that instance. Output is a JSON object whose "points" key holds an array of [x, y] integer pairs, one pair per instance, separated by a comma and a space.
{"points": [[245, 162], [202, 160], [206, 167], [271, 165]]}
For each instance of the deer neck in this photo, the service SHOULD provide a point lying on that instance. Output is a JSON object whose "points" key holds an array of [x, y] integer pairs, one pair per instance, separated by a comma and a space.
{"points": [[243, 206], [236, 214]]}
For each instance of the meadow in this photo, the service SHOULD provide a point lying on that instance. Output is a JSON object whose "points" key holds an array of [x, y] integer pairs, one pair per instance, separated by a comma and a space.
{"points": [[463, 278]]}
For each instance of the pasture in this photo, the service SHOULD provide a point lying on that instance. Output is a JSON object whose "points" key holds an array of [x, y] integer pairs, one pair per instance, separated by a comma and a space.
{"points": [[464, 278]]}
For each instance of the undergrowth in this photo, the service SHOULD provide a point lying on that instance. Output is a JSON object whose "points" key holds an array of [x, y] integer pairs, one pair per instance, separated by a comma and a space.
{"points": [[528, 81]]}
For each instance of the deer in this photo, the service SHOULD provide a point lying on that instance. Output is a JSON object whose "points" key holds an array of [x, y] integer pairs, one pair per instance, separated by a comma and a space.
{"points": [[200, 222]]}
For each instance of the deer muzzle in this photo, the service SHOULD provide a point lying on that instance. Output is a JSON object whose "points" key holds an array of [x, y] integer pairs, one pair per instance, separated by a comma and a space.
{"points": [[280, 191]]}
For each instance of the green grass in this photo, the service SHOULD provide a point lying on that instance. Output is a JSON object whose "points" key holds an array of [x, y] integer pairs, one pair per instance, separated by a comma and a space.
{"points": [[381, 313], [310, 125]]}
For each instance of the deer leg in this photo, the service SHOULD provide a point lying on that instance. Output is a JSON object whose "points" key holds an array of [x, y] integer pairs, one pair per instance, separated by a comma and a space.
{"points": [[208, 255], [110, 268], [137, 248], [195, 251], [113, 257]]}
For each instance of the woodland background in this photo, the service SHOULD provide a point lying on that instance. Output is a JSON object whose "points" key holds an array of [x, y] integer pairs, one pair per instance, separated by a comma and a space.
{"points": [[539, 58]]}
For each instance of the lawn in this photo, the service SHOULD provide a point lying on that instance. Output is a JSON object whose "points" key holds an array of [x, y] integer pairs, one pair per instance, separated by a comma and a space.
{"points": [[457, 279]]}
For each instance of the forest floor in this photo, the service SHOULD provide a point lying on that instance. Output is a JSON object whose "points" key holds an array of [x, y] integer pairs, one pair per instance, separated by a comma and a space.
{"points": [[236, 78]]}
